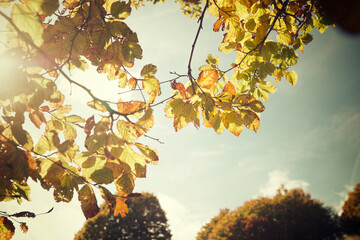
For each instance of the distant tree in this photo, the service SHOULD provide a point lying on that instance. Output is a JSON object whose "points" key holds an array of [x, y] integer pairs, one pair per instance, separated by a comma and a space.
{"points": [[145, 220], [290, 215], [350, 217]]}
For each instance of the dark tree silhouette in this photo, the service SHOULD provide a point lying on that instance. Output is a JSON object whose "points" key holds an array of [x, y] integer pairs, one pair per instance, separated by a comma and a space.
{"points": [[350, 217], [145, 220], [290, 215]]}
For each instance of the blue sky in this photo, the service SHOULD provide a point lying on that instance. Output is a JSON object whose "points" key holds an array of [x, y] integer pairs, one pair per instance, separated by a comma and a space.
{"points": [[309, 135]]}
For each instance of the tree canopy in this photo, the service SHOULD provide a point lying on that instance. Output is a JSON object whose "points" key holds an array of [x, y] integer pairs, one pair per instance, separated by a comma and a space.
{"points": [[289, 215], [145, 220], [350, 217], [84, 152]]}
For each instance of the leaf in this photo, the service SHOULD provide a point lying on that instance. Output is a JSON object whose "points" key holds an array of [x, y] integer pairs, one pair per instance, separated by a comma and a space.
{"points": [[97, 106], [229, 88], [102, 176], [120, 9], [285, 38], [150, 153], [208, 78], [121, 208], [257, 106], [37, 118], [180, 87], [130, 107], [291, 77], [7, 229], [151, 86], [24, 227], [132, 83], [251, 120], [28, 22], [43, 7], [244, 99], [75, 119], [102, 126], [125, 184], [88, 201], [135, 161], [22, 136], [126, 131], [233, 122], [89, 125], [108, 197], [148, 70]]}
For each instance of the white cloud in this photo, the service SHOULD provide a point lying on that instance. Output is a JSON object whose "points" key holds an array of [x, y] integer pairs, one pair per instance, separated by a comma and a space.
{"points": [[183, 224], [343, 195], [277, 178]]}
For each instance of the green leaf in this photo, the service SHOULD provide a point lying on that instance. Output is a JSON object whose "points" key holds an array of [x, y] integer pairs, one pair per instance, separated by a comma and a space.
{"points": [[102, 176], [148, 70], [28, 22], [125, 184], [291, 77], [120, 9]]}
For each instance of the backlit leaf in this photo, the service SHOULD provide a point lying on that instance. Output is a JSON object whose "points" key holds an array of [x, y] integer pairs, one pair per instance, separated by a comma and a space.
{"points": [[251, 120], [125, 184], [120, 208], [120, 9], [7, 229], [88, 201], [208, 78], [28, 22], [151, 86], [130, 107], [97, 105], [150, 153], [291, 77]]}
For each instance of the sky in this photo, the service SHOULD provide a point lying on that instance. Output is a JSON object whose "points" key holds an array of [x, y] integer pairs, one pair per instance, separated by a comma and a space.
{"points": [[309, 135]]}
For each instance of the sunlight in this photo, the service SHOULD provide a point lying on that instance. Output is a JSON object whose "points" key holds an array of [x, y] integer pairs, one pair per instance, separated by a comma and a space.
{"points": [[13, 79]]}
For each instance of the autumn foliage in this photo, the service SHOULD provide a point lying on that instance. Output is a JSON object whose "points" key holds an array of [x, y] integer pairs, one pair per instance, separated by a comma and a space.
{"points": [[289, 215], [84, 152], [350, 217]]}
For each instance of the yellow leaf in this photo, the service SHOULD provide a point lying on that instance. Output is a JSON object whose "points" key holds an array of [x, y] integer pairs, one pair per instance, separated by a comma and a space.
{"points": [[43, 7], [127, 131], [244, 99], [151, 86], [233, 122], [208, 78], [251, 120], [97, 105], [150, 153], [28, 22], [291, 77]]}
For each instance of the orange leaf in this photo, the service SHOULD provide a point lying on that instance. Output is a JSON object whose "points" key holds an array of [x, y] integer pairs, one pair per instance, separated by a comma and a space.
{"points": [[120, 207], [180, 87], [208, 78], [37, 117], [219, 23], [7, 228], [229, 88], [24, 227], [132, 82], [130, 107]]}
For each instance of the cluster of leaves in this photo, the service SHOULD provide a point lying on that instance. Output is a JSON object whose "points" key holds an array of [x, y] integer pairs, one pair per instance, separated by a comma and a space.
{"points": [[145, 220], [291, 214], [265, 36], [48, 40], [350, 217]]}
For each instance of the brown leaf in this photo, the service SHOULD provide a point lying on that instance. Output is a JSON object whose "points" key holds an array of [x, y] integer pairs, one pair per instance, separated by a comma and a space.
{"points": [[24, 227], [208, 78], [88, 201], [180, 87], [89, 125]]}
